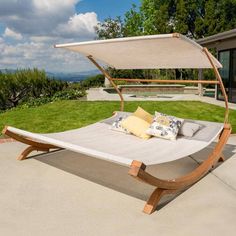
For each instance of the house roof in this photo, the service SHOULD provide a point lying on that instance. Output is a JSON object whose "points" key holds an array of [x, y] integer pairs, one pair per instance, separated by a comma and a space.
{"points": [[217, 37]]}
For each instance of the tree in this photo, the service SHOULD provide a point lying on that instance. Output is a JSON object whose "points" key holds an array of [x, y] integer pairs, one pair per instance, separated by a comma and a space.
{"points": [[181, 18], [219, 16], [133, 22], [193, 18], [110, 28], [156, 16]]}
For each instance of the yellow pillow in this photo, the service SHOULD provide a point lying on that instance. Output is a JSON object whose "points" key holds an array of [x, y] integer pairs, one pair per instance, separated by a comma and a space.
{"points": [[136, 126], [144, 115]]}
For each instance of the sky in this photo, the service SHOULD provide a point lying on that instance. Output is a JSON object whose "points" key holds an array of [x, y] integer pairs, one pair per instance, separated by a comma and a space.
{"points": [[30, 28]]}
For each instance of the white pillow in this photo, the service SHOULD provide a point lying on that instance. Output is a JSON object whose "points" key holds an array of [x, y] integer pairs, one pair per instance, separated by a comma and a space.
{"points": [[188, 129], [116, 125], [165, 126]]}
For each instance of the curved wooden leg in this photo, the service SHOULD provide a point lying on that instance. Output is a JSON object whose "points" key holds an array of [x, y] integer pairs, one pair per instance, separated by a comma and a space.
{"points": [[33, 144], [154, 199], [138, 171], [28, 150]]}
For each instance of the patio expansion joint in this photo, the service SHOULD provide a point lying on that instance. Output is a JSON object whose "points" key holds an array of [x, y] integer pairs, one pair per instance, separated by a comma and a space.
{"points": [[211, 172], [224, 182]]}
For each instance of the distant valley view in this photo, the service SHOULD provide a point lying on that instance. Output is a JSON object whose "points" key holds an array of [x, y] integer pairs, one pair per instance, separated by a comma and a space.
{"points": [[64, 76], [73, 76]]}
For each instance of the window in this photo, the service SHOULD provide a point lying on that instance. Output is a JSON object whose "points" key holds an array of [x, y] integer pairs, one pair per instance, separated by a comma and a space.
{"points": [[228, 74], [233, 77], [224, 58]]}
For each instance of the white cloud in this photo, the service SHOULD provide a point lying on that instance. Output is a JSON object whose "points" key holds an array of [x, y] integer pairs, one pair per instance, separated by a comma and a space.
{"points": [[40, 24], [47, 18], [44, 39], [54, 5], [12, 34], [36, 17], [43, 56], [79, 25]]}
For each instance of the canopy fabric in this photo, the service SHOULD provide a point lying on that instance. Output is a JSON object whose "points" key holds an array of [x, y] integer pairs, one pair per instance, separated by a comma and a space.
{"points": [[164, 51], [99, 141]]}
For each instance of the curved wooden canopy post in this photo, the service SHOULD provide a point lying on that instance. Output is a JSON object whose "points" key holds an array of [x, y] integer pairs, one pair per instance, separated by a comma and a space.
{"points": [[163, 187], [106, 74], [33, 144], [222, 88]]}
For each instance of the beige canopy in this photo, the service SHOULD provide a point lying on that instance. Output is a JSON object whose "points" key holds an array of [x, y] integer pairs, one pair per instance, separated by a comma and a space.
{"points": [[167, 51]]}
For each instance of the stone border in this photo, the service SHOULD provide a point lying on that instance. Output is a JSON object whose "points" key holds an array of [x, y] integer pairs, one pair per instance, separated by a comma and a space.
{"points": [[6, 140]]}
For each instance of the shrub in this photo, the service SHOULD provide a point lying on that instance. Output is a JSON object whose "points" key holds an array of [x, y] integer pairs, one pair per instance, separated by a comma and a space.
{"points": [[69, 94], [22, 85], [35, 102]]}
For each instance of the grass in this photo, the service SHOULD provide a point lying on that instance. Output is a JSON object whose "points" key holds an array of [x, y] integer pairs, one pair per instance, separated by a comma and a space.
{"points": [[65, 115]]}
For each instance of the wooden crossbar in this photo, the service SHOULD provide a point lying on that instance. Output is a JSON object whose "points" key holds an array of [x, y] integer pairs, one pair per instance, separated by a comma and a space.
{"points": [[168, 81]]}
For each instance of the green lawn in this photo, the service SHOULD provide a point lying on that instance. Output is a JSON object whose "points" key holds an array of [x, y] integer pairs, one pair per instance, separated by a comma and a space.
{"points": [[65, 115]]}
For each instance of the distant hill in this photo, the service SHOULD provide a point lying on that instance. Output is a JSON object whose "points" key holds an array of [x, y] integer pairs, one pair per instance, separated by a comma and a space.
{"points": [[69, 77], [7, 70], [73, 76]]}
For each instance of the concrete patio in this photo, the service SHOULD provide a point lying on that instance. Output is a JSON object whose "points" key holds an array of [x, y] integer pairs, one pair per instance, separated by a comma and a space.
{"points": [[65, 193]]}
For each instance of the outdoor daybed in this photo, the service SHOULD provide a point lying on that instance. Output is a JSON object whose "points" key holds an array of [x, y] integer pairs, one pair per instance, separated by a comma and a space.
{"points": [[97, 140]]}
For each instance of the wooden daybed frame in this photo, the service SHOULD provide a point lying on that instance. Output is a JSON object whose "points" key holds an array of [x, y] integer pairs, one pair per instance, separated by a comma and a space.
{"points": [[137, 168]]}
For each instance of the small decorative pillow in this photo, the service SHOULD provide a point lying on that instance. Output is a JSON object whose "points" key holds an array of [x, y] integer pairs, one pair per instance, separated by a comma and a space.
{"points": [[136, 126], [164, 126], [144, 115], [116, 125], [188, 129]]}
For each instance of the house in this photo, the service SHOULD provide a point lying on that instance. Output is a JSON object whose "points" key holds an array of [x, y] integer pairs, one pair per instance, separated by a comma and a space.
{"points": [[225, 46]]}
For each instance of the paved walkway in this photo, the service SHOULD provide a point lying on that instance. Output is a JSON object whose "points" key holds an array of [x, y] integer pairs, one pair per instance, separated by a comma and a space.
{"points": [[98, 94], [65, 193]]}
